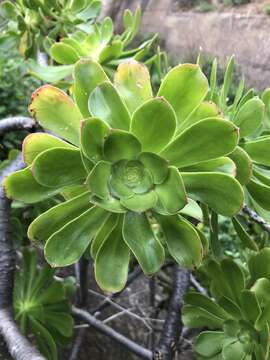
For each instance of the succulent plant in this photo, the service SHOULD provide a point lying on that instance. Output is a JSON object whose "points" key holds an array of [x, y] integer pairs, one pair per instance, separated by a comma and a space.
{"points": [[99, 43], [41, 304], [250, 114], [35, 24], [130, 163], [238, 314]]}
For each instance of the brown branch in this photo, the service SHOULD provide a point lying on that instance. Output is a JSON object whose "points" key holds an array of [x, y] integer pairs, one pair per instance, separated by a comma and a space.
{"points": [[173, 324], [253, 216], [16, 123], [18, 345], [114, 335]]}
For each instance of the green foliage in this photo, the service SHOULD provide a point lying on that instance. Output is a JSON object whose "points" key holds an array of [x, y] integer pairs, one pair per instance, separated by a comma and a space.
{"points": [[15, 85], [238, 313], [121, 171], [33, 25], [41, 305]]}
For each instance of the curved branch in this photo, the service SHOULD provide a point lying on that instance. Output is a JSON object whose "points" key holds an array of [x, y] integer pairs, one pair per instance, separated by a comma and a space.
{"points": [[173, 325], [108, 331], [16, 123], [253, 216], [18, 346]]}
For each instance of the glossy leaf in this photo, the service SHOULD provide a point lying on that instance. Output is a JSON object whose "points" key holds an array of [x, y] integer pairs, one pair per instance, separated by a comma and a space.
{"points": [[246, 240], [250, 306], [260, 193], [87, 75], [206, 109], [103, 233], [259, 265], [182, 151], [59, 167], [209, 343], [140, 238], [157, 166], [22, 186], [192, 209], [183, 242], [64, 54], [223, 164], [111, 204], [140, 202], [220, 191], [249, 117], [258, 150], [234, 350], [56, 217], [93, 134], [50, 73], [196, 317], [106, 104], [171, 193], [132, 80], [55, 111], [154, 124], [35, 144], [112, 260], [261, 289], [98, 179], [121, 145], [184, 87], [243, 165], [67, 245]]}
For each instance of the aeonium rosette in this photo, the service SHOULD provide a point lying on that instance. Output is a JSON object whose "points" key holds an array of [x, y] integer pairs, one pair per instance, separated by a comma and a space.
{"points": [[130, 163]]}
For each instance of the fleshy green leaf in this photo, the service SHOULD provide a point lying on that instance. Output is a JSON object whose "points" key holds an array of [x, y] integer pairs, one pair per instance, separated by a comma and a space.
{"points": [[203, 302], [250, 306], [59, 167], [247, 241], [260, 193], [87, 75], [185, 151], [93, 134], [259, 265], [249, 117], [192, 209], [103, 233], [220, 191], [223, 164], [140, 238], [140, 202], [67, 245], [50, 74], [171, 193], [183, 242], [184, 87], [234, 350], [106, 104], [195, 317], [111, 204], [132, 81], [154, 124], [234, 276], [55, 218], [121, 145], [112, 260], [35, 144], [157, 166], [261, 289], [209, 343], [243, 165], [206, 109], [22, 186], [98, 179], [258, 150], [64, 54], [56, 111]]}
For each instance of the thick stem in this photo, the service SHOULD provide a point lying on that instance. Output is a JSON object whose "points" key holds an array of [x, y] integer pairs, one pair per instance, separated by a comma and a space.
{"points": [[173, 324], [114, 335], [16, 123], [18, 346]]}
